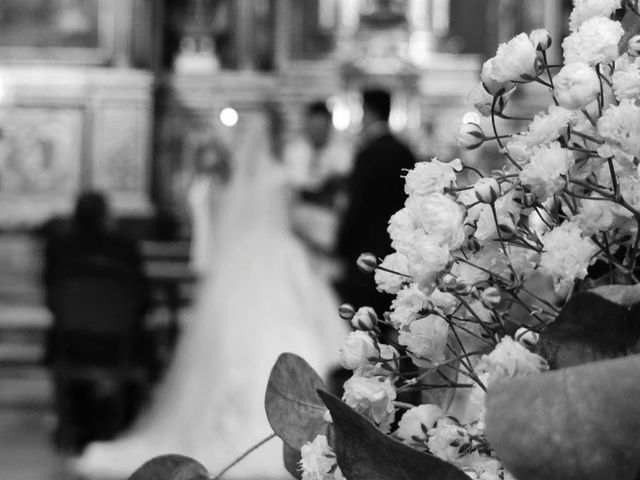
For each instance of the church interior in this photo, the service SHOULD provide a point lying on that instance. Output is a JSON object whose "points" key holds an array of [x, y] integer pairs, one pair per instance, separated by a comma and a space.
{"points": [[123, 96]]}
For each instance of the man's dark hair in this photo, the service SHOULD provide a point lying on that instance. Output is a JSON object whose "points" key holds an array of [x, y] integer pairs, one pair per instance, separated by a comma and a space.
{"points": [[91, 212], [318, 108], [378, 101]]}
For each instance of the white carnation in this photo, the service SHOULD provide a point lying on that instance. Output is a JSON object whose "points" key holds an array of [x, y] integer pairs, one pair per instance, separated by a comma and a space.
{"points": [[567, 254], [547, 164], [440, 217], [372, 397], [357, 349], [507, 213], [426, 338], [626, 78], [514, 60], [408, 303], [416, 422], [392, 282], [431, 177], [510, 359], [317, 459], [400, 229], [584, 10], [545, 127], [446, 439], [576, 85], [596, 41], [427, 258], [620, 127]]}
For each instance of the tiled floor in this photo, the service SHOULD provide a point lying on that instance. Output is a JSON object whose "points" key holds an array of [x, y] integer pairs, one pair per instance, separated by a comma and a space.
{"points": [[25, 447]]}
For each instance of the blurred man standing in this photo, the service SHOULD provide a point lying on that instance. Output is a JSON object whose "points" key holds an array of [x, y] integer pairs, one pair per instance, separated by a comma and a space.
{"points": [[318, 164], [375, 192]]}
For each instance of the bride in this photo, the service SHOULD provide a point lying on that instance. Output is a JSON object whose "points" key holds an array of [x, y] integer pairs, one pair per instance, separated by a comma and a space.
{"points": [[259, 299]]}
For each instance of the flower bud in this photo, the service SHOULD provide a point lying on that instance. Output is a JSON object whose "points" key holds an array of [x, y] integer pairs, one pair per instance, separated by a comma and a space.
{"points": [[487, 190], [541, 38], [462, 288], [470, 136], [634, 46], [447, 282], [472, 244], [527, 338], [490, 297], [346, 311], [367, 262], [365, 319]]}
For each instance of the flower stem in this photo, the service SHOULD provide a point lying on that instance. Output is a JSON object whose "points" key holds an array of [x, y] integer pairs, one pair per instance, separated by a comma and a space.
{"points": [[241, 457]]}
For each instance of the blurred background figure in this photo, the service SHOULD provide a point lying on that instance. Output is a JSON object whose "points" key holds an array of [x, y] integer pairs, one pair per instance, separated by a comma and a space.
{"points": [[97, 295], [375, 192], [211, 174], [318, 163]]}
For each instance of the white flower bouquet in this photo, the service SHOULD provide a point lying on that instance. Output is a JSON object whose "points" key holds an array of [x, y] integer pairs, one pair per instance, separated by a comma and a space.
{"points": [[507, 382]]}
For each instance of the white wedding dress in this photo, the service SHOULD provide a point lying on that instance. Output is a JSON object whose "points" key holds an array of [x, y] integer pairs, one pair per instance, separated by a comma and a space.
{"points": [[261, 298]]}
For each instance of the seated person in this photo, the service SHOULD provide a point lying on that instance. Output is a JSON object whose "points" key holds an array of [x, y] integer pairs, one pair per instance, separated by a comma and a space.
{"points": [[91, 250]]}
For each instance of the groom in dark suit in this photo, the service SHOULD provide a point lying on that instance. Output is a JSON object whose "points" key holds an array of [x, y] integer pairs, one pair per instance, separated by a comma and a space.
{"points": [[375, 191]]}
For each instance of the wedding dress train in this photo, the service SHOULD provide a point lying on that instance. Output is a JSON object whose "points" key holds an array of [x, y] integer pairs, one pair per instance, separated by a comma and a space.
{"points": [[261, 298]]}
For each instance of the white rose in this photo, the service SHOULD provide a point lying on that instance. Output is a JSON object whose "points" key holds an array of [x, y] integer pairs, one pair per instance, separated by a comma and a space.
{"points": [[510, 359], [545, 168], [372, 397], [576, 85], [596, 41], [584, 10], [514, 61], [490, 84], [431, 177], [626, 79], [440, 217], [357, 349], [566, 254], [392, 282], [426, 338], [416, 421], [317, 459]]}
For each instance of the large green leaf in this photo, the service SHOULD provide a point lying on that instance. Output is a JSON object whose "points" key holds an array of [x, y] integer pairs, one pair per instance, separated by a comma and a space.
{"points": [[365, 453], [594, 325], [291, 458], [171, 467], [293, 407], [578, 423]]}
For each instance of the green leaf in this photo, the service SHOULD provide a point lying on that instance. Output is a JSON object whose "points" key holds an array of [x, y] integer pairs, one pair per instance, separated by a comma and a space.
{"points": [[578, 423], [291, 458], [171, 467], [293, 407], [594, 325], [365, 453]]}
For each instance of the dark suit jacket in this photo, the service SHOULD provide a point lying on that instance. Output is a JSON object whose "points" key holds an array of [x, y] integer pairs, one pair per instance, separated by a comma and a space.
{"points": [[70, 249], [376, 191]]}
